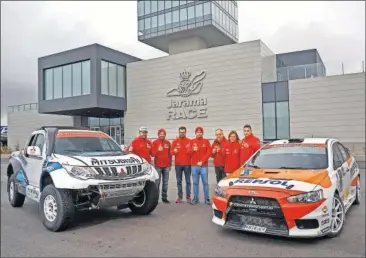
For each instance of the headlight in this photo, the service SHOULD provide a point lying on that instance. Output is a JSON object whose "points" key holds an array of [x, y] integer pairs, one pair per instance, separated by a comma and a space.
{"points": [[146, 167], [80, 172], [309, 197], [220, 192]]}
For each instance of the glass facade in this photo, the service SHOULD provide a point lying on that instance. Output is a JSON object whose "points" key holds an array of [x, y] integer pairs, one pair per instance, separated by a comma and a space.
{"points": [[113, 79], [67, 81], [111, 126], [276, 114], [156, 18]]}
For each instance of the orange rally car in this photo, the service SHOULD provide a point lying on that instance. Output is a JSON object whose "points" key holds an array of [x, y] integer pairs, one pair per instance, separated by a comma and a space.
{"points": [[292, 188]]}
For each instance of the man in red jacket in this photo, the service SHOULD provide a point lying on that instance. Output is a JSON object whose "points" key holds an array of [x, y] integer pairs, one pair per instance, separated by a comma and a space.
{"points": [[162, 159], [141, 146], [217, 154], [200, 149], [249, 145], [179, 149]]}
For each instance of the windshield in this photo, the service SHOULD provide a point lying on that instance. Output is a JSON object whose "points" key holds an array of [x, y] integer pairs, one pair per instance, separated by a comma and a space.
{"points": [[81, 143], [290, 157]]}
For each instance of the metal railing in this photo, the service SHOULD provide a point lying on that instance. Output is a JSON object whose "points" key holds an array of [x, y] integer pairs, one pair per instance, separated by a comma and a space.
{"points": [[319, 70], [23, 107]]}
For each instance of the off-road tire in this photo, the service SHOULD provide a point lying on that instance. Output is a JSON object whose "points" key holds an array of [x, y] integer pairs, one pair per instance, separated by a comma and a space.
{"points": [[65, 208], [18, 198], [150, 202], [331, 234], [357, 201]]}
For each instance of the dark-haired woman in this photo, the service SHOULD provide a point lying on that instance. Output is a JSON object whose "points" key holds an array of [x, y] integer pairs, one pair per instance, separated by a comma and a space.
{"points": [[231, 151]]}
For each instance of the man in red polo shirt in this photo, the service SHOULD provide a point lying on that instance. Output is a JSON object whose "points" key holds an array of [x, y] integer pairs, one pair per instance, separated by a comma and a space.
{"points": [[218, 156], [200, 150], [141, 146], [179, 149], [249, 145], [162, 159]]}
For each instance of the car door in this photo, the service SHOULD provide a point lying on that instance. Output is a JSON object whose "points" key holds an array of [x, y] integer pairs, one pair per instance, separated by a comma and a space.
{"points": [[338, 168], [346, 170], [34, 164]]}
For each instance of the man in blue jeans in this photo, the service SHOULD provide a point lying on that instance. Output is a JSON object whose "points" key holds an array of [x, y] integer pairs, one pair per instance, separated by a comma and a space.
{"points": [[200, 150], [180, 148]]}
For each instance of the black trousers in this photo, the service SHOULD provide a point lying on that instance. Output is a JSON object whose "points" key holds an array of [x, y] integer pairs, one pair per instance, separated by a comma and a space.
{"points": [[220, 174]]}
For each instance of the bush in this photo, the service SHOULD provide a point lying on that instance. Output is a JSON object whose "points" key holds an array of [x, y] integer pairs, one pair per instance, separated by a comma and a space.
{"points": [[6, 150]]}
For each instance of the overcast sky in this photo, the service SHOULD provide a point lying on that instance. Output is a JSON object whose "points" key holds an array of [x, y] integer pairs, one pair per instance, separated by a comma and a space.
{"points": [[33, 29]]}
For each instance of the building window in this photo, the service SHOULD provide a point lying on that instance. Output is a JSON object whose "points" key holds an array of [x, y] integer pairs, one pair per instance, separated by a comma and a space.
{"points": [[104, 78], [57, 83], [183, 16], [141, 8], [191, 16], [168, 4], [76, 79], [113, 79], [85, 77], [168, 20], [147, 7], [269, 121], [176, 18], [276, 117], [67, 81], [48, 83], [154, 6], [175, 3], [160, 5], [199, 12]]}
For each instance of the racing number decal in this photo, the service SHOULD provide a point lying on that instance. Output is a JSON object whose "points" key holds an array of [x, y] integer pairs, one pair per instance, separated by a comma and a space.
{"points": [[340, 179]]}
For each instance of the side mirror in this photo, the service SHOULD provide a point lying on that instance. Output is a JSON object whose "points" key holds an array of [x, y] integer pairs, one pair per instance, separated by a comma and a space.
{"points": [[33, 151]]}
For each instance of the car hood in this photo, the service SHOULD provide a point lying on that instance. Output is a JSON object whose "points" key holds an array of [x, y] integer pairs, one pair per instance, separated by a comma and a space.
{"points": [[286, 179], [119, 160]]}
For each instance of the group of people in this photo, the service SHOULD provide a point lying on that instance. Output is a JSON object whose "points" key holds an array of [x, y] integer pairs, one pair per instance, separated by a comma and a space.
{"points": [[192, 155]]}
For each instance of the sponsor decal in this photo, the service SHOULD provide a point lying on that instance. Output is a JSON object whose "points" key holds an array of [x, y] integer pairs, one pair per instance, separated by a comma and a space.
{"points": [[252, 192], [325, 230], [280, 182], [326, 215], [340, 179], [252, 205], [97, 162], [33, 193], [354, 168], [166, 146], [325, 209], [323, 222], [246, 172]]}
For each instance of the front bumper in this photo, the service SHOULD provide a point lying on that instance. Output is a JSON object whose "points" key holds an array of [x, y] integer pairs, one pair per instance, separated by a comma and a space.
{"points": [[286, 221]]}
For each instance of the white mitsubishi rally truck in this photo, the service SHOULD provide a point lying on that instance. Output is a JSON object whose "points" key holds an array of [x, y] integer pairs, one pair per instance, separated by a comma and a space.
{"points": [[66, 169]]}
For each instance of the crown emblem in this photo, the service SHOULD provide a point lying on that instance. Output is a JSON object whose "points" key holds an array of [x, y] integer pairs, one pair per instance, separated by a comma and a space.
{"points": [[185, 75]]}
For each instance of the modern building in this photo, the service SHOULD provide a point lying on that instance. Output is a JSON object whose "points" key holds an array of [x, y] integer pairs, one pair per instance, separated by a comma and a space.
{"points": [[208, 79]]}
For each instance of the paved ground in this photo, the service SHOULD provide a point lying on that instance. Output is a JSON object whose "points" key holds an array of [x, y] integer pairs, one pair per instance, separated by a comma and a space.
{"points": [[172, 230]]}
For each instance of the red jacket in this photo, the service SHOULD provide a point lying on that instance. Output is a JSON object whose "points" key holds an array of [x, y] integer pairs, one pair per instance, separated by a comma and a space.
{"points": [[247, 152], [231, 151], [219, 157], [182, 157], [202, 154], [162, 158], [141, 147]]}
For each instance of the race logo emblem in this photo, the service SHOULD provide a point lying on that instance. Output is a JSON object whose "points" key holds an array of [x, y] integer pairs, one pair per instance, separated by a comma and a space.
{"points": [[325, 209], [187, 86], [252, 192]]}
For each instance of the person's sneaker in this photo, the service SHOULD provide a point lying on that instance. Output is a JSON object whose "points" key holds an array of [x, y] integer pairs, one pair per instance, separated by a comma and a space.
{"points": [[165, 201], [208, 202], [194, 202], [189, 199], [179, 200]]}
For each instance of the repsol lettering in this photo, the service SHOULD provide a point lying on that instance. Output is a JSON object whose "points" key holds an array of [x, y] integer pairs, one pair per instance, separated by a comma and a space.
{"points": [[284, 183], [96, 162]]}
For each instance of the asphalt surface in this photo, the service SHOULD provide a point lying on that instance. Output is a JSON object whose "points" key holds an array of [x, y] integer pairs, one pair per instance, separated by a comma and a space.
{"points": [[172, 230]]}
